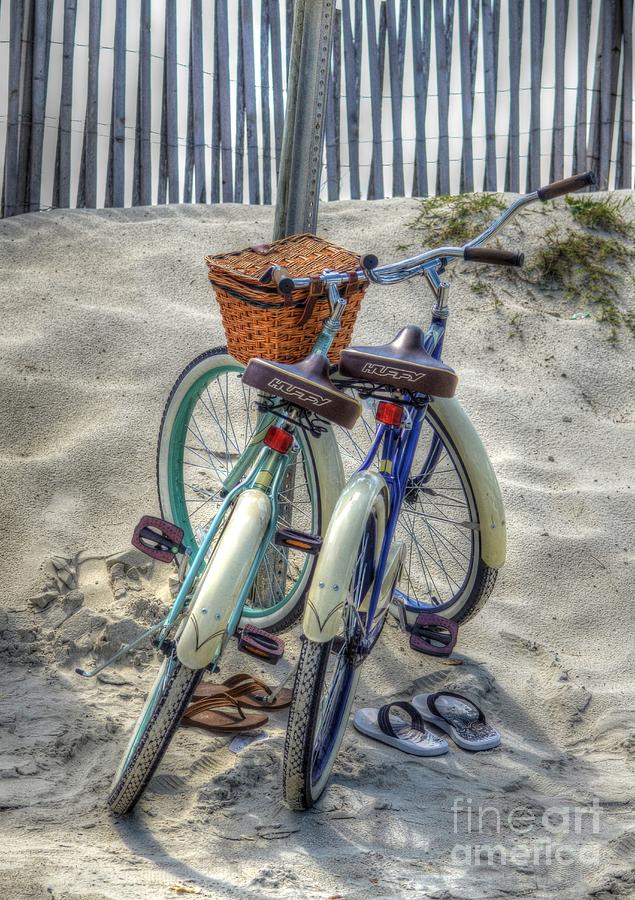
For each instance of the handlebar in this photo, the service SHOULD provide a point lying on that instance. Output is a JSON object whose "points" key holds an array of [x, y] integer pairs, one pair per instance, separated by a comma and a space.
{"points": [[566, 186], [391, 273], [494, 257]]}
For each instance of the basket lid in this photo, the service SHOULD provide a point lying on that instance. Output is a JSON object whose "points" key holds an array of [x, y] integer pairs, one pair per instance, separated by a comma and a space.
{"points": [[303, 255]]}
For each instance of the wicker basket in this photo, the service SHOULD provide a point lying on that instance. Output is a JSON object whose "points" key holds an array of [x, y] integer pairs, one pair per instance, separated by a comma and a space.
{"points": [[258, 321]]}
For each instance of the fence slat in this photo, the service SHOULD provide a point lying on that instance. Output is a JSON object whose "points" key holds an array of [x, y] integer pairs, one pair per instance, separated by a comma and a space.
{"points": [[10, 184], [87, 186], [421, 72], [115, 183], [265, 115], [537, 33], [353, 37], [625, 143], [333, 114], [443, 28], [376, 57], [468, 73], [396, 58], [222, 66], [171, 102], [198, 102], [604, 90], [557, 141], [489, 84], [580, 144], [61, 181], [142, 166], [276, 76], [249, 88], [24, 148], [40, 79], [512, 176], [188, 172], [239, 152], [215, 171]]}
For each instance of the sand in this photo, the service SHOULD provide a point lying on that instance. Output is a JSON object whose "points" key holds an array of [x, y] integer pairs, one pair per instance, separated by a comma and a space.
{"points": [[100, 312]]}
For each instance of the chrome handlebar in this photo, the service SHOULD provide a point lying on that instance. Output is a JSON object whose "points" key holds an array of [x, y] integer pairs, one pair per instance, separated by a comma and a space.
{"points": [[393, 273]]}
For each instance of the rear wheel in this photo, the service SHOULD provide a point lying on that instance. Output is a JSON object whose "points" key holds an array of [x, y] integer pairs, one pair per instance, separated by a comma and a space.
{"points": [[439, 523], [208, 421]]}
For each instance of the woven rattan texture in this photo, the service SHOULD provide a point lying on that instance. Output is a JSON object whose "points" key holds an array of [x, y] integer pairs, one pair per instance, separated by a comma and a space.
{"points": [[260, 322]]}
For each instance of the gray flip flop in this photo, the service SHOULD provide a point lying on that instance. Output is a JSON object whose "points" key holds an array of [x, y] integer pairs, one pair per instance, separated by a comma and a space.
{"points": [[458, 717], [412, 738]]}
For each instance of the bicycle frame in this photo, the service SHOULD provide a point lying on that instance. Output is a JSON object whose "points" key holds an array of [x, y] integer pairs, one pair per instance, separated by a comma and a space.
{"points": [[261, 468], [395, 447]]}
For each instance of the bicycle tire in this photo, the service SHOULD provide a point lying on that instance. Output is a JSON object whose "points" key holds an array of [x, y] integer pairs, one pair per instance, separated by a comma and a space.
{"points": [[165, 713]]}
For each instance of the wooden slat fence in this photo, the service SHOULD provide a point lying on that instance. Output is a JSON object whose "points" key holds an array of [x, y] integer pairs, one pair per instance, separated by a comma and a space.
{"points": [[424, 96]]}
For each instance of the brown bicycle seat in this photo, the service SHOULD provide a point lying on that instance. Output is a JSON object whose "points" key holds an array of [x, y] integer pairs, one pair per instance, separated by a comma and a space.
{"points": [[403, 363], [306, 384]]}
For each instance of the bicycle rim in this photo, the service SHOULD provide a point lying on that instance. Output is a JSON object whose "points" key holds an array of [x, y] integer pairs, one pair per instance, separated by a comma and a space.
{"points": [[438, 522]]}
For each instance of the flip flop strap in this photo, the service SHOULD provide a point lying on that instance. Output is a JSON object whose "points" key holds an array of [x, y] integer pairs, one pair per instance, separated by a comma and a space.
{"points": [[383, 717], [218, 701], [432, 705], [245, 684]]}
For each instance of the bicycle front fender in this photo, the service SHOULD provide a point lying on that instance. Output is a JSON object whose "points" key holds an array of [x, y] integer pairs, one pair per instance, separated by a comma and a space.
{"points": [[365, 492], [201, 637], [491, 513]]}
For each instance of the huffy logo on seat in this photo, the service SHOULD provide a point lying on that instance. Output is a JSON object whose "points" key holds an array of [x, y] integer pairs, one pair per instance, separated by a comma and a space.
{"points": [[391, 372], [290, 390]]}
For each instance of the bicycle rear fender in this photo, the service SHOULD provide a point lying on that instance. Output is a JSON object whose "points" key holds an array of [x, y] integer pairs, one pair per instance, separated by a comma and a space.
{"points": [[200, 639], [489, 502], [365, 492], [330, 471]]}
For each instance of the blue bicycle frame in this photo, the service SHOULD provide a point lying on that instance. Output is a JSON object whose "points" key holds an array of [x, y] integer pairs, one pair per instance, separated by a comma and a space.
{"points": [[395, 447]]}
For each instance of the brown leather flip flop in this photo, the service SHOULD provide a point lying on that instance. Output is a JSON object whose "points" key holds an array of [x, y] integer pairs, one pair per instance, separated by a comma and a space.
{"points": [[221, 713], [251, 692]]}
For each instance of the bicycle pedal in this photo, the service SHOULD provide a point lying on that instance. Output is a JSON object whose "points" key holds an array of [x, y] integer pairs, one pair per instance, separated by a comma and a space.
{"points": [[433, 634], [298, 540], [259, 643], [157, 538]]}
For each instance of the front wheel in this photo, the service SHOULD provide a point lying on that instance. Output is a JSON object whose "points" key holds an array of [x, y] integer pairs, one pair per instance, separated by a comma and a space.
{"points": [[152, 733], [328, 672]]}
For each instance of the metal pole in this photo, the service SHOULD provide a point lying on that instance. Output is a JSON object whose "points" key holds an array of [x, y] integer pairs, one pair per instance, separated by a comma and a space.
{"points": [[303, 138]]}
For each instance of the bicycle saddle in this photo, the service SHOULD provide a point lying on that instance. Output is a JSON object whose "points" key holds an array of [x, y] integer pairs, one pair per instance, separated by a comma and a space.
{"points": [[306, 384], [403, 363]]}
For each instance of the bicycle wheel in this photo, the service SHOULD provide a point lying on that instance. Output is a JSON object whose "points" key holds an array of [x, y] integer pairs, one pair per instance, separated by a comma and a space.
{"points": [[152, 733], [207, 422], [439, 523], [326, 678]]}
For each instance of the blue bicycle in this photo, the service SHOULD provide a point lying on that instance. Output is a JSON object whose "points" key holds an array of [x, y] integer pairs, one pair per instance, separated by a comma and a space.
{"points": [[357, 574]]}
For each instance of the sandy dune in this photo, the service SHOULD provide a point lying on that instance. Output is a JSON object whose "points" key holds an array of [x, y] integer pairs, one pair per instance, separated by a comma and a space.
{"points": [[100, 311]]}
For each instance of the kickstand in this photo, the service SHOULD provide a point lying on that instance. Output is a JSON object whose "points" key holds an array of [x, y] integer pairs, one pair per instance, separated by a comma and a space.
{"points": [[271, 698], [125, 649]]}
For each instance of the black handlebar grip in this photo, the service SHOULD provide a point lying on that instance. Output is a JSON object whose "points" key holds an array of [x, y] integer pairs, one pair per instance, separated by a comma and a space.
{"points": [[566, 186], [494, 257], [369, 261], [282, 280]]}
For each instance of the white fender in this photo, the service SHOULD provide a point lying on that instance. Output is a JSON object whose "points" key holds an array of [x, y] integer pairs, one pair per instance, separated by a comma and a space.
{"points": [[489, 503], [201, 637], [365, 492], [330, 472]]}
